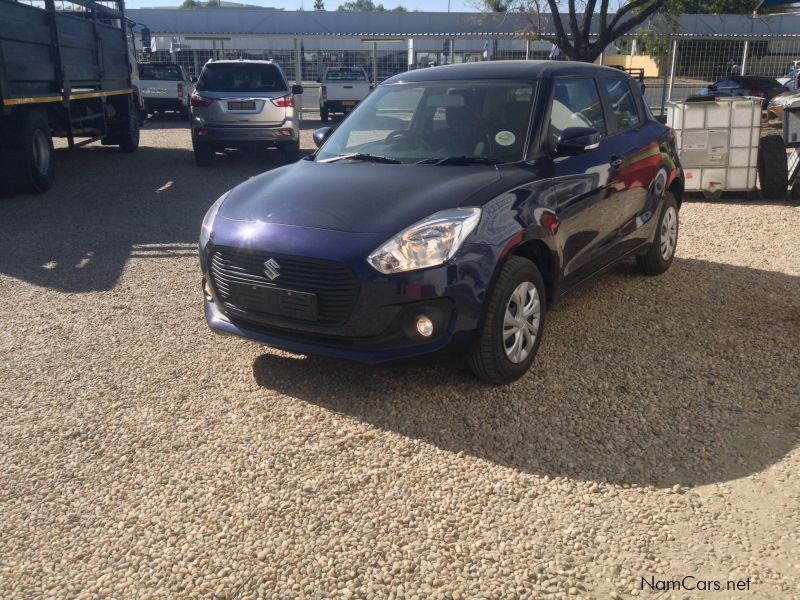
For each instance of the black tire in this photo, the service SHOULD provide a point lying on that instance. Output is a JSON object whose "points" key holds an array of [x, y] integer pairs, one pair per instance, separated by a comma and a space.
{"points": [[291, 152], [488, 359], [203, 153], [185, 115], [28, 162], [773, 171], [129, 140], [323, 115], [654, 261]]}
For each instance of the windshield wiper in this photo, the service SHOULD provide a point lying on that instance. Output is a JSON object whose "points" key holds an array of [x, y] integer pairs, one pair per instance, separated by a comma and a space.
{"points": [[460, 160], [362, 156]]}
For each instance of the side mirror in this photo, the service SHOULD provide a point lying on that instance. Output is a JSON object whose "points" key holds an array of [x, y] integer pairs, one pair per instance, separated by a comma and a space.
{"points": [[574, 140], [319, 79], [193, 78], [662, 119], [297, 90], [322, 134], [712, 88]]}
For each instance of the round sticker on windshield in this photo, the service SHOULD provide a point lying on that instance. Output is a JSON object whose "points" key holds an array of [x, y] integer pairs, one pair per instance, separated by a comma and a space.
{"points": [[505, 138]]}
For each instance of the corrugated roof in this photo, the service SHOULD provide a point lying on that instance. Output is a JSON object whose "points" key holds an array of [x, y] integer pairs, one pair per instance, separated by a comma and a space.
{"points": [[262, 21]]}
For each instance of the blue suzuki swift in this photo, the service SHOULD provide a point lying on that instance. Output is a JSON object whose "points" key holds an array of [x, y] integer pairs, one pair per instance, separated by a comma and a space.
{"points": [[449, 210]]}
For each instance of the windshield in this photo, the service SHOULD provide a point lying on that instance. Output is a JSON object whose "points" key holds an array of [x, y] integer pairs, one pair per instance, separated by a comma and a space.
{"points": [[160, 72], [241, 78], [345, 74], [413, 122]]}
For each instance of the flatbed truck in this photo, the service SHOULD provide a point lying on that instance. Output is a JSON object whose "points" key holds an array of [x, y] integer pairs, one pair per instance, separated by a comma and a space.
{"points": [[67, 69]]}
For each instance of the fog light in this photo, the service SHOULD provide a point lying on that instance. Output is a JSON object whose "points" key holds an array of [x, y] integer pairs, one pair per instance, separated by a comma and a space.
{"points": [[424, 326], [285, 132]]}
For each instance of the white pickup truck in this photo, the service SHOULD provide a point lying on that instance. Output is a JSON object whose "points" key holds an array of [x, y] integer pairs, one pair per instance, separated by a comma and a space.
{"points": [[165, 87], [342, 89], [791, 78]]}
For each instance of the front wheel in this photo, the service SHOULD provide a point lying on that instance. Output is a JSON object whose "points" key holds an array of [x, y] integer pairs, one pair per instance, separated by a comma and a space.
{"points": [[659, 256], [512, 330]]}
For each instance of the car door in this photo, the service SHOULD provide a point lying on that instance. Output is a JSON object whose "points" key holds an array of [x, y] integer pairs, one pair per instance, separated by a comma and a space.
{"points": [[579, 190], [635, 163]]}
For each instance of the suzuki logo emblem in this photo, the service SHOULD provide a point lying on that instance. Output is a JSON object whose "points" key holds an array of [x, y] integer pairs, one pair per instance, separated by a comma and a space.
{"points": [[272, 269]]}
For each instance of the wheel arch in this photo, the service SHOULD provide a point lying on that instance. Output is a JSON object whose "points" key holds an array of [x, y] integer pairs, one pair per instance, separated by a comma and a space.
{"points": [[542, 255], [676, 188]]}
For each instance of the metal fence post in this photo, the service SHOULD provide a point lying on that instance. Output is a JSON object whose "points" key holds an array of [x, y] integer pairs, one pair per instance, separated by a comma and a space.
{"points": [[298, 76], [672, 68], [667, 81], [744, 57]]}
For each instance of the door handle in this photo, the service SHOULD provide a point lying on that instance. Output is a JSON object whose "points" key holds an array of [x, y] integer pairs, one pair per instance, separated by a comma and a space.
{"points": [[615, 162]]}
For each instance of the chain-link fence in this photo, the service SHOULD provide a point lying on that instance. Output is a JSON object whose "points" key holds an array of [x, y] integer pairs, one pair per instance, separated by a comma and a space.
{"points": [[671, 68]]}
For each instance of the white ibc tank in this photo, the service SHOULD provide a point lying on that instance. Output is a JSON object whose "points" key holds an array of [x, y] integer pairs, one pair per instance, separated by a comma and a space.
{"points": [[718, 142]]}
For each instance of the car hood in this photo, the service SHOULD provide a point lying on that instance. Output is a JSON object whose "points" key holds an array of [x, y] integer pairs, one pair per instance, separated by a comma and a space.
{"points": [[355, 196]]}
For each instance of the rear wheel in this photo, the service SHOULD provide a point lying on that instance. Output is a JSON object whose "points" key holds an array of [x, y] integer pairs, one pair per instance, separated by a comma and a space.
{"points": [[203, 152], [661, 252], [291, 152], [773, 170], [514, 323], [28, 162]]}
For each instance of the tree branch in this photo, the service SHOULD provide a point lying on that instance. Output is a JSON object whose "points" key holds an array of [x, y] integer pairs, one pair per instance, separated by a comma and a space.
{"points": [[587, 18]]}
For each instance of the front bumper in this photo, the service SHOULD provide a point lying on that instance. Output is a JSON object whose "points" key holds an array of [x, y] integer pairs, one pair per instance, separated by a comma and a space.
{"points": [[371, 350], [379, 326]]}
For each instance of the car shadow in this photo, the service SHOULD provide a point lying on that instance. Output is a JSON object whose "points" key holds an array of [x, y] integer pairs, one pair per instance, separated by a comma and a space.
{"points": [[107, 207], [679, 379]]}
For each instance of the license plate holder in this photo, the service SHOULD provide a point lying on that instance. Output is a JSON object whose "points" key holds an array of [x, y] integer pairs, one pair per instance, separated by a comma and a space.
{"points": [[241, 105], [276, 301]]}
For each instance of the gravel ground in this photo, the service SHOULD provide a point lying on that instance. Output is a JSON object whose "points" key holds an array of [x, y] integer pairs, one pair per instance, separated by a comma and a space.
{"points": [[142, 456]]}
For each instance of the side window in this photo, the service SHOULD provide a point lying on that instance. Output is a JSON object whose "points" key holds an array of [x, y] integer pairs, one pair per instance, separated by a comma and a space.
{"points": [[623, 104], [576, 103]]}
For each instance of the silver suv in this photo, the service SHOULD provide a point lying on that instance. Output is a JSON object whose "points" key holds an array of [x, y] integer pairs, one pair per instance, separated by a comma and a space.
{"points": [[244, 104]]}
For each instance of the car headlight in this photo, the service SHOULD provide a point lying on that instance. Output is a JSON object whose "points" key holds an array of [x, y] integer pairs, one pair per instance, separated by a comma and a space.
{"points": [[427, 243], [208, 220]]}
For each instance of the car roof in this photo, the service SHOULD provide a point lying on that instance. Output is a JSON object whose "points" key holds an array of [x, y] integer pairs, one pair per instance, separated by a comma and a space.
{"points": [[507, 69]]}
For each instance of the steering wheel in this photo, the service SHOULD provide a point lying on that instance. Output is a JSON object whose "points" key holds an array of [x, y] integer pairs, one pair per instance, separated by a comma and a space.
{"points": [[403, 134]]}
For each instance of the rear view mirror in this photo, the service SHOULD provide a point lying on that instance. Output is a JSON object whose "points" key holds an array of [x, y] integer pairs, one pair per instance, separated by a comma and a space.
{"points": [[322, 134], [578, 139], [297, 90]]}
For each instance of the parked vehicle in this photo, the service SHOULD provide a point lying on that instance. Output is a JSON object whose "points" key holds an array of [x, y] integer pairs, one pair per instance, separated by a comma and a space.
{"points": [[165, 87], [244, 104], [449, 211], [342, 89], [745, 85], [64, 72], [778, 105], [791, 78]]}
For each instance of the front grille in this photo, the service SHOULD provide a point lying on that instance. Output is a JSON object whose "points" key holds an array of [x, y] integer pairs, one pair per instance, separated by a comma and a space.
{"points": [[335, 286]]}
